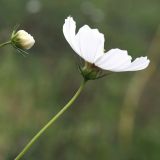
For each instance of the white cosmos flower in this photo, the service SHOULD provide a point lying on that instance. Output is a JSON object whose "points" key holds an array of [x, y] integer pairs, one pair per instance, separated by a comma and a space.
{"points": [[89, 44]]}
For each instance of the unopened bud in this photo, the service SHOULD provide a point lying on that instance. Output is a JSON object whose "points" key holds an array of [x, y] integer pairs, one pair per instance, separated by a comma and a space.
{"points": [[22, 40]]}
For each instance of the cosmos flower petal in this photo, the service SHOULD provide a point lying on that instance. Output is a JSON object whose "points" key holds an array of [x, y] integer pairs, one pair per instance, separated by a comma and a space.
{"points": [[113, 59], [90, 43], [138, 64], [69, 29], [117, 60]]}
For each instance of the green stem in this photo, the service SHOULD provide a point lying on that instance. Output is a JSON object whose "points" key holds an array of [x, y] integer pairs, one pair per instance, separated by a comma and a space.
{"points": [[4, 44], [35, 138]]}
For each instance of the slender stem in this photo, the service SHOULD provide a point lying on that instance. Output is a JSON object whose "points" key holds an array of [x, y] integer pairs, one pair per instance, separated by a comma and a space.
{"points": [[4, 44], [35, 138]]}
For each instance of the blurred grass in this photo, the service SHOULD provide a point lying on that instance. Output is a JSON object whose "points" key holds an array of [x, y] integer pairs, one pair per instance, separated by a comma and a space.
{"points": [[34, 88], [135, 90]]}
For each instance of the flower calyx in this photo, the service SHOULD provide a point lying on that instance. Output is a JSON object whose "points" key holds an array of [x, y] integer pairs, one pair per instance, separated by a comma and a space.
{"points": [[91, 72]]}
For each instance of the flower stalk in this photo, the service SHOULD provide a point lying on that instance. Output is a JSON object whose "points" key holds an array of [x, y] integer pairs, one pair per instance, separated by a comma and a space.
{"points": [[58, 115], [5, 43]]}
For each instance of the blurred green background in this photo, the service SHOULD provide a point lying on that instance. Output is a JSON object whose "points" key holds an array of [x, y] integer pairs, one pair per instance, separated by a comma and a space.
{"points": [[115, 118]]}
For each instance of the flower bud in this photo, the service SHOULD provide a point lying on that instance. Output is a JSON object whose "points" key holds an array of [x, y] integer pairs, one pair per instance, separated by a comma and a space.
{"points": [[22, 40]]}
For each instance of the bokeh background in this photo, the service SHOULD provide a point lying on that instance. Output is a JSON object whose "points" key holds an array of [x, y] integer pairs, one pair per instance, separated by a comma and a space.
{"points": [[115, 118]]}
